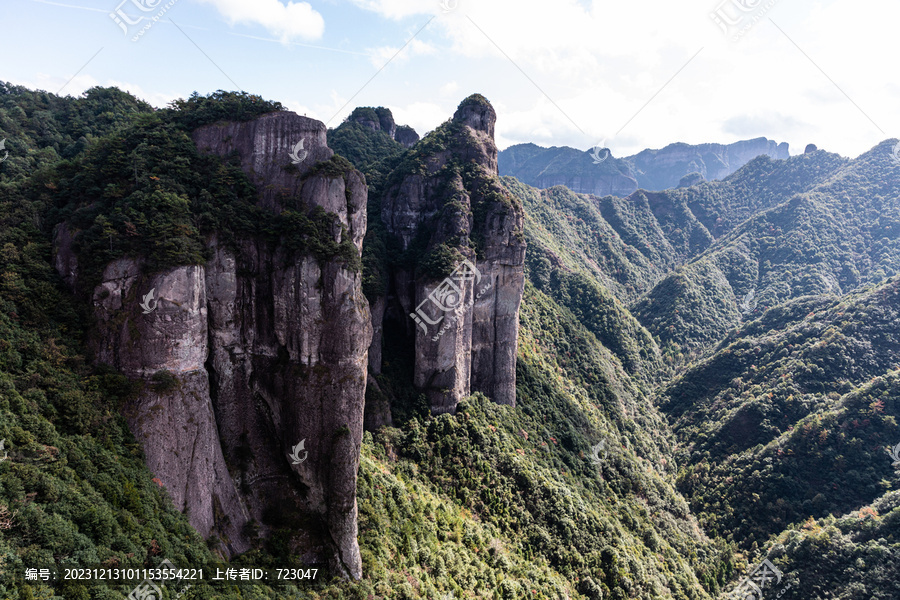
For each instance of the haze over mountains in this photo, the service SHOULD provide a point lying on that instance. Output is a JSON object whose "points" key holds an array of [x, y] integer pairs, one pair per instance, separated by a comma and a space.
{"points": [[430, 379], [598, 172]]}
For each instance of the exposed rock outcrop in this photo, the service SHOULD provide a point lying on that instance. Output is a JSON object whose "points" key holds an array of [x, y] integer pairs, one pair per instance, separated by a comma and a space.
{"points": [[381, 119], [264, 146], [406, 136], [173, 416], [252, 353], [459, 303]]}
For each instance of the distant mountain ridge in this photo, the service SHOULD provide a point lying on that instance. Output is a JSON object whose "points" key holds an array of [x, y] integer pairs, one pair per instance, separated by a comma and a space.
{"points": [[649, 169]]}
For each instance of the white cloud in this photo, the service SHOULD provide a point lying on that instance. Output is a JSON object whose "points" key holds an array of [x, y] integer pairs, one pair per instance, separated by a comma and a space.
{"points": [[301, 109], [423, 116], [399, 9], [416, 47], [82, 83], [156, 99], [58, 85], [607, 67], [295, 19]]}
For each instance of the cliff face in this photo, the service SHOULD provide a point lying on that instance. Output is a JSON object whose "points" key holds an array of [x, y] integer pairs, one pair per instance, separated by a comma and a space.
{"points": [[265, 349], [382, 119], [459, 302], [173, 417]]}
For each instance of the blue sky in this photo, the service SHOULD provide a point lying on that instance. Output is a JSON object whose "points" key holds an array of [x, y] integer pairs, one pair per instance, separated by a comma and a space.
{"points": [[559, 72]]}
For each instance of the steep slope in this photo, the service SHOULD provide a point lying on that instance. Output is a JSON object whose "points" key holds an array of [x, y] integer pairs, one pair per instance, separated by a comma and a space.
{"points": [[578, 347], [568, 262], [255, 339], [381, 119], [369, 136], [845, 556], [630, 244], [838, 235], [575, 169], [802, 401], [574, 481]]}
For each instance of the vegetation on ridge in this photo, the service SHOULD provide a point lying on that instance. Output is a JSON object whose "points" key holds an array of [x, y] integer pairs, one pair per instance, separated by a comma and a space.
{"points": [[671, 428]]}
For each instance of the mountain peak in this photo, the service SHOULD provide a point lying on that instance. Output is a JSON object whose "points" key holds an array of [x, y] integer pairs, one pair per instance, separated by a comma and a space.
{"points": [[476, 112], [382, 119]]}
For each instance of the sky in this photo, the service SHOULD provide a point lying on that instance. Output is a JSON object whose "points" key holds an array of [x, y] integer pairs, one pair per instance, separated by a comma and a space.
{"points": [[627, 75]]}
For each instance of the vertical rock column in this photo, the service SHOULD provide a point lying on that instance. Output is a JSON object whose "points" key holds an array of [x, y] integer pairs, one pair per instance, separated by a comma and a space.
{"points": [[456, 197], [172, 417], [290, 344]]}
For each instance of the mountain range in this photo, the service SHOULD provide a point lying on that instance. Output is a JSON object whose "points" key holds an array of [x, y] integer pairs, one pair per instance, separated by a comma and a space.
{"points": [[598, 172], [427, 376]]}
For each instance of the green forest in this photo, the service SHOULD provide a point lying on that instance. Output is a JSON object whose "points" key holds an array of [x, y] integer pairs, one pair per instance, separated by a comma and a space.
{"points": [[706, 376]]}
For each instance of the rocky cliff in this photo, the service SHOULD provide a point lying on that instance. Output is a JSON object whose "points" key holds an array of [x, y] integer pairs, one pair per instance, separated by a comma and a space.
{"points": [[254, 364], [381, 119], [456, 285]]}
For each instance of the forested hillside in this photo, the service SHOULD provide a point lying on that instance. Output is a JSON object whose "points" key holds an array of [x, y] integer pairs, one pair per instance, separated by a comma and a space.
{"points": [[704, 377]]}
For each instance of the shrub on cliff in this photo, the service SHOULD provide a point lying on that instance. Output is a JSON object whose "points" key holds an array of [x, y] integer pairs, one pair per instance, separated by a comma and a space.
{"points": [[199, 110]]}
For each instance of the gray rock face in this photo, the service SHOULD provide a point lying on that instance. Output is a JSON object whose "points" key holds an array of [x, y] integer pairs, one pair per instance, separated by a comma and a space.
{"points": [[465, 341], [267, 349], [265, 145], [406, 135], [289, 365], [479, 116], [173, 416], [381, 119], [386, 122]]}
